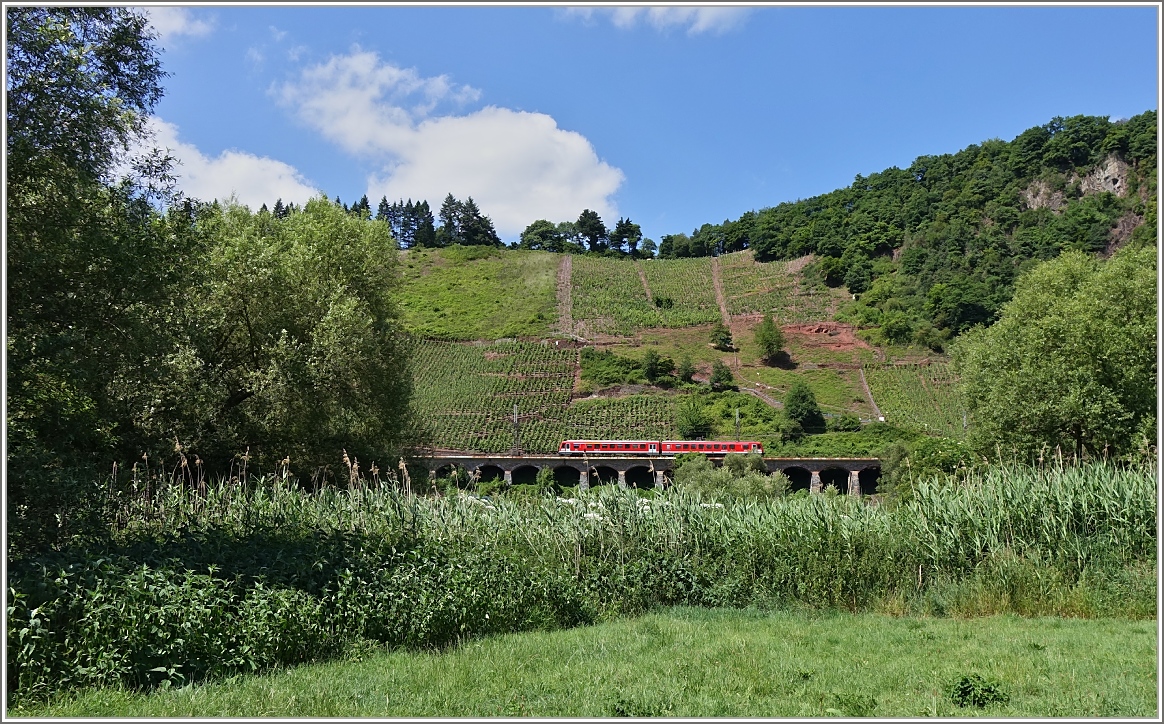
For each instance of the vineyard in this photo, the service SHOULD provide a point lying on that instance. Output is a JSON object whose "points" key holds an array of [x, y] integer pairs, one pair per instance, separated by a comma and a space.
{"points": [[922, 397], [750, 287], [687, 285], [608, 297], [466, 393], [637, 417]]}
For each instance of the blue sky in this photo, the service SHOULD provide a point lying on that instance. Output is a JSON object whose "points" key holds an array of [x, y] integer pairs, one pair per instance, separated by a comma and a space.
{"points": [[671, 116]]}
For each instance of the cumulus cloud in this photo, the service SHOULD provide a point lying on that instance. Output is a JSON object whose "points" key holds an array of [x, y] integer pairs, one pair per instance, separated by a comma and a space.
{"points": [[696, 19], [252, 180], [171, 22], [518, 166]]}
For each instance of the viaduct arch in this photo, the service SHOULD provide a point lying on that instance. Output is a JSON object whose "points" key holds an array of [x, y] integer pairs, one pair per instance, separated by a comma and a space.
{"points": [[852, 476]]}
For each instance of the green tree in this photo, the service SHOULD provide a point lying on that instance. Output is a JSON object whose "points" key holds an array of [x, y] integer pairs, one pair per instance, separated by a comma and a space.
{"points": [[293, 345], [542, 235], [1071, 362], [591, 228], [721, 336], [691, 420], [656, 366], [93, 275], [626, 232], [801, 407], [769, 338], [686, 369], [721, 375]]}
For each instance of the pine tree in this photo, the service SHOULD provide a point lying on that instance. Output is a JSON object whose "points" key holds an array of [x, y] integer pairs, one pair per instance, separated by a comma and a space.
{"points": [[450, 215], [425, 230]]}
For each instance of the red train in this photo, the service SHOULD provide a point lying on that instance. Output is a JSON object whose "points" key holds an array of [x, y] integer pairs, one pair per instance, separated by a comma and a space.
{"points": [[658, 447]]}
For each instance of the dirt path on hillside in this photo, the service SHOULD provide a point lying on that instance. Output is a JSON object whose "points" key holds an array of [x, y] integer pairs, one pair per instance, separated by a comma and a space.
{"points": [[718, 284], [766, 398], [869, 393], [643, 276], [565, 299]]}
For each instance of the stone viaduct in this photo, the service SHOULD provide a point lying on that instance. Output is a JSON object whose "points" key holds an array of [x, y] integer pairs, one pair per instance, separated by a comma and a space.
{"points": [[855, 476]]}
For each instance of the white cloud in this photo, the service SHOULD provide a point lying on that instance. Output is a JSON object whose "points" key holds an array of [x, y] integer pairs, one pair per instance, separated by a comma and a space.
{"points": [[253, 180], [517, 166], [170, 22], [696, 19]]}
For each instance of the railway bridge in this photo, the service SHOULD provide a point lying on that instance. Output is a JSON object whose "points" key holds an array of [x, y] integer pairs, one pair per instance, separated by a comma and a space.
{"points": [[855, 476]]}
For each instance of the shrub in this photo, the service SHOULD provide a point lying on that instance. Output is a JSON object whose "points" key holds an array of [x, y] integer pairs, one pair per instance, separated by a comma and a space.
{"points": [[721, 375], [721, 337], [691, 420], [973, 690]]}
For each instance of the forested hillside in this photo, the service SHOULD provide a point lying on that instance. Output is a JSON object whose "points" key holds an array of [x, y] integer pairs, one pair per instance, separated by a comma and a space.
{"points": [[935, 248]]}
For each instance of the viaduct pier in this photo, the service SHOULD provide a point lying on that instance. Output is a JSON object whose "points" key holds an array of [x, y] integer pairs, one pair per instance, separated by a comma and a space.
{"points": [[855, 476]]}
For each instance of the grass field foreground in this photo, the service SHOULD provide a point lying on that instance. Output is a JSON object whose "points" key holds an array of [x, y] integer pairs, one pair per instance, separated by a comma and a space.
{"points": [[687, 662]]}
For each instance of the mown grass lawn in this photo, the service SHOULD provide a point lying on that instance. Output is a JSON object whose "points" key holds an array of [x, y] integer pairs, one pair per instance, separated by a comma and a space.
{"points": [[685, 662]]}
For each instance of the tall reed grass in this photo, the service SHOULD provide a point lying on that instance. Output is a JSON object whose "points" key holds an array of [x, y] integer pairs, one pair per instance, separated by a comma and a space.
{"points": [[194, 579]]}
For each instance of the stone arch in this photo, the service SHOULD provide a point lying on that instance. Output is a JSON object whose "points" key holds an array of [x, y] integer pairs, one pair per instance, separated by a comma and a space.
{"points": [[603, 475], [799, 478], [489, 472], [567, 476], [525, 475], [836, 477], [640, 476], [869, 478]]}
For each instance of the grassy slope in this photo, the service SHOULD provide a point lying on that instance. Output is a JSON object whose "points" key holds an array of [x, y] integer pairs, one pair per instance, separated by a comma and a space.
{"points": [[479, 293], [689, 662]]}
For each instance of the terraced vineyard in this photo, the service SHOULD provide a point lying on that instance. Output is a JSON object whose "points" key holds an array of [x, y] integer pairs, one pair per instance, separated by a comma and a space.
{"points": [[466, 393], [608, 297], [687, 283], [750, 286], [637, 417], [921, 397]]}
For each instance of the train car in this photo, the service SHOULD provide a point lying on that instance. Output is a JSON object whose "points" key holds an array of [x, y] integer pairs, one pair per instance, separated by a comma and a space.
{"points": [[655, 447], [711, 447], [609, 447]]}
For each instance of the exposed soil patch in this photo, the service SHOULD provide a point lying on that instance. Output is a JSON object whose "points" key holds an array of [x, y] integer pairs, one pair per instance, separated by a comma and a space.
{"points": [[827, 335], [643, 276]]}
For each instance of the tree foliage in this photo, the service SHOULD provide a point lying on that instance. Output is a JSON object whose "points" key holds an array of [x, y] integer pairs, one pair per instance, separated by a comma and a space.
{"points": [[1071, 362], [721, 375], [591, 228], [206, 330], [937, 247], [691, 420], [463, 223], [721, 336], [769, 338], [801, 407]]}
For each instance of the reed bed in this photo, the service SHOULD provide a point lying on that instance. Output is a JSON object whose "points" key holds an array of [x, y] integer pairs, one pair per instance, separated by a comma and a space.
{"points": [[192, 580]]}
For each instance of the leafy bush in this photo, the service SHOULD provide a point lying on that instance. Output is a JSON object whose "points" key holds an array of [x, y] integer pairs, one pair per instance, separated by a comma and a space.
{"points": [[691, 420], [973, 690]]}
